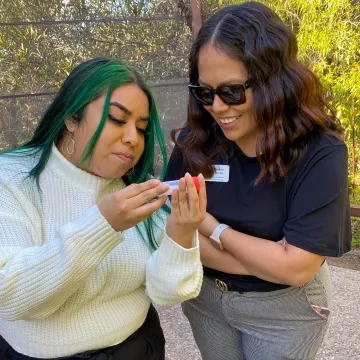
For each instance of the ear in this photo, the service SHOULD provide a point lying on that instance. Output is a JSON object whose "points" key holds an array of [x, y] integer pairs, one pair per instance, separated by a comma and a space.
{"points": [[71, 124]]}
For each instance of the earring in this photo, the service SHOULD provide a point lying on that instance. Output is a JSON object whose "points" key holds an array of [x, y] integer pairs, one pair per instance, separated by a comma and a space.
{"points": [[69, 146]]}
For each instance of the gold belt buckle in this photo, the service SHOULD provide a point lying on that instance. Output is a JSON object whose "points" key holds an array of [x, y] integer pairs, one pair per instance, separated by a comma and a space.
{"points": [[221, 285]]}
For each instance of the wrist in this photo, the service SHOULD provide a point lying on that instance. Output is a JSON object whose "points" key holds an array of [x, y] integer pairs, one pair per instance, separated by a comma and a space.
{"points": [[184, 239], [224, 236], [215, 237], [186, 242]]}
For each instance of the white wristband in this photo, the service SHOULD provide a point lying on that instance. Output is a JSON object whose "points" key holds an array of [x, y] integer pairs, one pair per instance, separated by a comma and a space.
{"points": [[215, 236]]}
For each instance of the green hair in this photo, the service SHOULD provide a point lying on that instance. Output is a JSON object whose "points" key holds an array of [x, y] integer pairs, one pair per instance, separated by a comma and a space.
{"points": [[87, 82]]}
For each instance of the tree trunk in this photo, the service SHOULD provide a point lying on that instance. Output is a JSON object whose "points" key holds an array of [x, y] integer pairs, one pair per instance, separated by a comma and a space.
{"points": [[196, 17]]}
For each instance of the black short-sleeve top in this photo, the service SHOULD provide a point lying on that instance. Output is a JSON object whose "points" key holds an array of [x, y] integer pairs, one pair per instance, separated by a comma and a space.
{"points": [[310, 207]]}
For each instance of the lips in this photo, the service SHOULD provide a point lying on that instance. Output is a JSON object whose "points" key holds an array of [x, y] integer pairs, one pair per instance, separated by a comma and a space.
{"points": [[228, 122], [128, 158]]}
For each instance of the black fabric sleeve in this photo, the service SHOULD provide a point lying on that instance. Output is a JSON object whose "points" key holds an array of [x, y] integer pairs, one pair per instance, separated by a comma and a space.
{"points": [[318, 216]]}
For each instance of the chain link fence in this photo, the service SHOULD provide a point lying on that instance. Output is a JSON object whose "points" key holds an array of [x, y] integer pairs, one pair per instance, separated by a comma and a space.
{"points": [[40, 42]]}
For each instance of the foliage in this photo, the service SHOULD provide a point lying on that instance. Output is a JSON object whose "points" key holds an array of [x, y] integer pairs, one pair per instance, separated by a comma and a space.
{"points": [[37, 57]]}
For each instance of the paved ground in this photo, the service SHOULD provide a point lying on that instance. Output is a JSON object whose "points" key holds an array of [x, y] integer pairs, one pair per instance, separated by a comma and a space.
{"points": [[350, 260], [342, 341]]}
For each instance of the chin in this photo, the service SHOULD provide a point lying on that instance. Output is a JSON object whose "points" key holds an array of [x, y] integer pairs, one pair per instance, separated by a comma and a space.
{"points": [[109, 175], [234, 137]]}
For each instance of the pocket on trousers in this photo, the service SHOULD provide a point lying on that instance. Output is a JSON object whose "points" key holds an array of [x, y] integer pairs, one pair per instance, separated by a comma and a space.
{"points": [[317, 299]]}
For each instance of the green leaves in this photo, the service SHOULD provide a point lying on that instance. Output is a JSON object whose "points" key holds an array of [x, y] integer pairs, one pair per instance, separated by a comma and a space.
{"points": [[37, 57]]}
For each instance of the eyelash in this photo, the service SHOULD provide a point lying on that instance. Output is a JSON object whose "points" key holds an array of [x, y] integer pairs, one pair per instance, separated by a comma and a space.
{"points": [[122, 122]]}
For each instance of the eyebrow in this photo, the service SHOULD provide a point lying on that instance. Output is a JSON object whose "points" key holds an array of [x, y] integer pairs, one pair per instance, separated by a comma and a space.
{"points": [[127, 111], [227, 82]]}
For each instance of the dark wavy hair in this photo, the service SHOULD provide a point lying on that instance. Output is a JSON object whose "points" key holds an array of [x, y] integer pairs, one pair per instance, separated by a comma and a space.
{"points": [[289, 104]]}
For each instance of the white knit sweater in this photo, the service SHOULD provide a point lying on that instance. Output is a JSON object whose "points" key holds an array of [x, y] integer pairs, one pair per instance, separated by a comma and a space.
{"points": [[69, 282]]}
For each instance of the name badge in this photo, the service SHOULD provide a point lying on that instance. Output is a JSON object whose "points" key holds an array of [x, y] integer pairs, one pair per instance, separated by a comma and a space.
{"points": [[221, 174]]}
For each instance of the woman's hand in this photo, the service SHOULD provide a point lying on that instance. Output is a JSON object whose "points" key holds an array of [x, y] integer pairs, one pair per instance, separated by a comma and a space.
{"points": [[220, 260], [125, 208], [188, 210], [208, 226]]}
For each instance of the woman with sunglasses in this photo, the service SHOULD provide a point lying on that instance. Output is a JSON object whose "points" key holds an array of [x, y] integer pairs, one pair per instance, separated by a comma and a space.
{"points": [[259, 129]]}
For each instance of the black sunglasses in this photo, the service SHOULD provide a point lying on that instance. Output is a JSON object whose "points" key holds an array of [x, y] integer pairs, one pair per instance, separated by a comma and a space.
{"points": [[229, 94]]}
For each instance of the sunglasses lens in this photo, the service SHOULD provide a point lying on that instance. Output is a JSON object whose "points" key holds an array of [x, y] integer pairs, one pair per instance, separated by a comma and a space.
{"points": [[232, 95], [202, 95]]}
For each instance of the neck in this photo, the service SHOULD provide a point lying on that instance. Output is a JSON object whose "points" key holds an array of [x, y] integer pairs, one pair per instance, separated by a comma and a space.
{"points": [[248, 145], [75, 174]]}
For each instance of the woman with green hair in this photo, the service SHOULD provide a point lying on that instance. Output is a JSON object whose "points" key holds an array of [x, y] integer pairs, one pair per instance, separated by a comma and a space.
{"points": [[86, 242]]}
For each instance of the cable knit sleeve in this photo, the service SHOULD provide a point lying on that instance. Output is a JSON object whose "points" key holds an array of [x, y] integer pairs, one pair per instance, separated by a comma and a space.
{"points": [[36, 278], [174, 274]]}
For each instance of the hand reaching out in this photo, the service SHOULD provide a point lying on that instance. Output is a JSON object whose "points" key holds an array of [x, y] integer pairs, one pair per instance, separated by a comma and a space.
{"points": [[188, 210], [125, 208]]}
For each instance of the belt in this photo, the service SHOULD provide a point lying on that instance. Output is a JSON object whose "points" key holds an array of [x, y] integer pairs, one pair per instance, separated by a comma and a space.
{"points": [[226, 287]]}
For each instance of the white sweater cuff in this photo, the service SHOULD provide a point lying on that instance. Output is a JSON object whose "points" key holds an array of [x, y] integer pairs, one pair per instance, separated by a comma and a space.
{"points": [[178, 253]]}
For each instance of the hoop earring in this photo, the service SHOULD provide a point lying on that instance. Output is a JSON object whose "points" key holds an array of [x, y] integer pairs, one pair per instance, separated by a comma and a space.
{"points": [[70, 146]]}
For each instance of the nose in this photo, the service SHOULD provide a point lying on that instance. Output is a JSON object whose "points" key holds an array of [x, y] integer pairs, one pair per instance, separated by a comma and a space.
{"points": [[130, 135], [218, 105]]}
